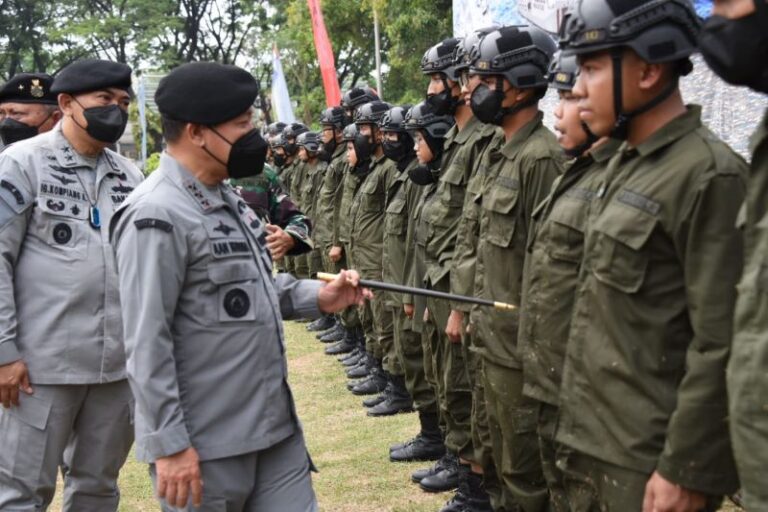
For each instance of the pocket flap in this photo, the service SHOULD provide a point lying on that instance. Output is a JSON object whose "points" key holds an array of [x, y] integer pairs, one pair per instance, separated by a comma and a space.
{"points": [[396, 206], [629, 226], [501, 197], [32, 410], [222, 273]]}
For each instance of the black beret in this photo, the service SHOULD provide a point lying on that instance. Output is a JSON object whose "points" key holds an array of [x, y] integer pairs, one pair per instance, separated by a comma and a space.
{"points": [[206, 93], [28, 88], [92, 75]]}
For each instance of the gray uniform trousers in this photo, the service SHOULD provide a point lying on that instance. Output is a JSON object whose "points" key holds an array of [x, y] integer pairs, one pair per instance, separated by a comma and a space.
{"points": [[91, 421], [273, 480]]}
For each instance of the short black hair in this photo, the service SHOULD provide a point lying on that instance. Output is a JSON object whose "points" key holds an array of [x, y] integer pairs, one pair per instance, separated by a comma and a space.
{"points": [[172, 128]]}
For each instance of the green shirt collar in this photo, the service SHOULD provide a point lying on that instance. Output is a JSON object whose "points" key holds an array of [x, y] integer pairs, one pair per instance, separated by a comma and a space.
{"points": [[513, 145], [669, 133]]}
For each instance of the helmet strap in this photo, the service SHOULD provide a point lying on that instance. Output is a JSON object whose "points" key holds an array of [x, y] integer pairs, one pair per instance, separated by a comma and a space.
{"points": [[621, 127]]}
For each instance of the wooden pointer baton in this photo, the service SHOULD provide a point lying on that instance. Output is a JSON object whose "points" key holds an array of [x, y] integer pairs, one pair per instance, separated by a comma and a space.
{"points": [[397, 288]]}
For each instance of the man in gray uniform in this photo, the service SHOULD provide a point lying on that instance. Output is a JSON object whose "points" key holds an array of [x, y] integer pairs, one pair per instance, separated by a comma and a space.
{"points": [[27, 107], [202, 311], [62, 362]]}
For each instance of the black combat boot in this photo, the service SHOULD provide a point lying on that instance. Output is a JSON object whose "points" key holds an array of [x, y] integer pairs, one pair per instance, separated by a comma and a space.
{"points": [[375, 383], [442, 463], [323, 323], [427, 445], [336, 333], [445, 480], [344, 346], [460, 500], [354, 358], [399, 400], [377, 399], [362, 369], [477, 496]]}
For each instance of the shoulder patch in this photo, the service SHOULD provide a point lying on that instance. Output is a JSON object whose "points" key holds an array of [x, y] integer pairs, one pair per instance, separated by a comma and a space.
{"points": [[154, 224], [15, 196]]}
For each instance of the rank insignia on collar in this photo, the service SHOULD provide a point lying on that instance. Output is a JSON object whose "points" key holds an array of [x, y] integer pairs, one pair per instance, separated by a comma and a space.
{"points": [[36, 89]]}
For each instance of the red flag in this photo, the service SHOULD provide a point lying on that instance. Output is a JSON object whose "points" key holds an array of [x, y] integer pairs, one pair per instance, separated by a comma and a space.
{"points": [[325, 55]]}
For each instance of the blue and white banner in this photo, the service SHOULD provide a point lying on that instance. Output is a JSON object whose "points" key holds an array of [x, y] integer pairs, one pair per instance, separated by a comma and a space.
{"points": [[281, 100]]}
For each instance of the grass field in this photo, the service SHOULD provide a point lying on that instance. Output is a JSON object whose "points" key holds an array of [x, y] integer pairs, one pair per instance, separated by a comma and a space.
{"points": [[349, 448]]}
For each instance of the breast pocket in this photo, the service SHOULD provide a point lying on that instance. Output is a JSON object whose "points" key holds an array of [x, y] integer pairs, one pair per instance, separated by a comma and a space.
{"points": [[371, 197], [234, 287], [499, 204], [397, 218], [565, 230], [622, 257], [63, 226]]}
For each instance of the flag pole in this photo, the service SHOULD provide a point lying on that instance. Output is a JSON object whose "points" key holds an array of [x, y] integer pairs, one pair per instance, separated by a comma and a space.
{"points": [[377, 43]]}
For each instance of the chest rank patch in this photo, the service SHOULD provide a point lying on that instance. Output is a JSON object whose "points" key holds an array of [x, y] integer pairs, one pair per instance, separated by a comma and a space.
{"points": [[237, 303], [62, 233]]}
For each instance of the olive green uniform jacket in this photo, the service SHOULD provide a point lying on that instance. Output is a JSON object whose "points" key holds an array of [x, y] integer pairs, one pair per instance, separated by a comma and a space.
{"points": [[651, 329], [522, 172], [748, 368], [550, 279]]}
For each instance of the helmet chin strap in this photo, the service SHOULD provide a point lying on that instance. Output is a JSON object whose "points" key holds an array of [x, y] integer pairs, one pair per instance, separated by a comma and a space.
{"points": [[582, 148], [621, 127]]}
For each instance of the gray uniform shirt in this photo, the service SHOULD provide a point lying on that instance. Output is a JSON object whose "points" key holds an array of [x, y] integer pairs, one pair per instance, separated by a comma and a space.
{"points": [[59, 302], [202, 313]]}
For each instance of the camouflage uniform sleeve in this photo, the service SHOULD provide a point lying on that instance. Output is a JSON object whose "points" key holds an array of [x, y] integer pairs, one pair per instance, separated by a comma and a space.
{"points": [[283, 212]]}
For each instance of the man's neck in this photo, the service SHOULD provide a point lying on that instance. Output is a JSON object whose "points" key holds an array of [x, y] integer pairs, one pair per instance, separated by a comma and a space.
{"points": [[196, 168], [463, 115], [512, 124], [379, 152], [79, 140], [642, 127]]}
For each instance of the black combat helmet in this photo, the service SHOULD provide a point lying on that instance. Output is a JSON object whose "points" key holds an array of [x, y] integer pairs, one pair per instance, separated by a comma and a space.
{"points": [[275, 129], [434, 127], [658, 31], [394, 121], [292, 131], [334, 116], [372, 112], [309, 141], [355, 98], [462, 57], [563, 71], [439, 59], [520, 54], [350, 132]]}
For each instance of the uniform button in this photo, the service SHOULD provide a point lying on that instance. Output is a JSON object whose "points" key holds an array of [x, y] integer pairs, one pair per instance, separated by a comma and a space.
{"points": [[237, 303], [62, 233]]}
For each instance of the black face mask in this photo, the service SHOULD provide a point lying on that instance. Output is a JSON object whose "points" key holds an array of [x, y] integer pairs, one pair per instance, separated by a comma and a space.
{"points": [[247, 156], [291, 149], [737, 50], [12, 130], [363, 147], [424, 174], [279, 160], [398, 150], [105, 124], [326, 152], [362, 169], [486, 104], [443, 103]]}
